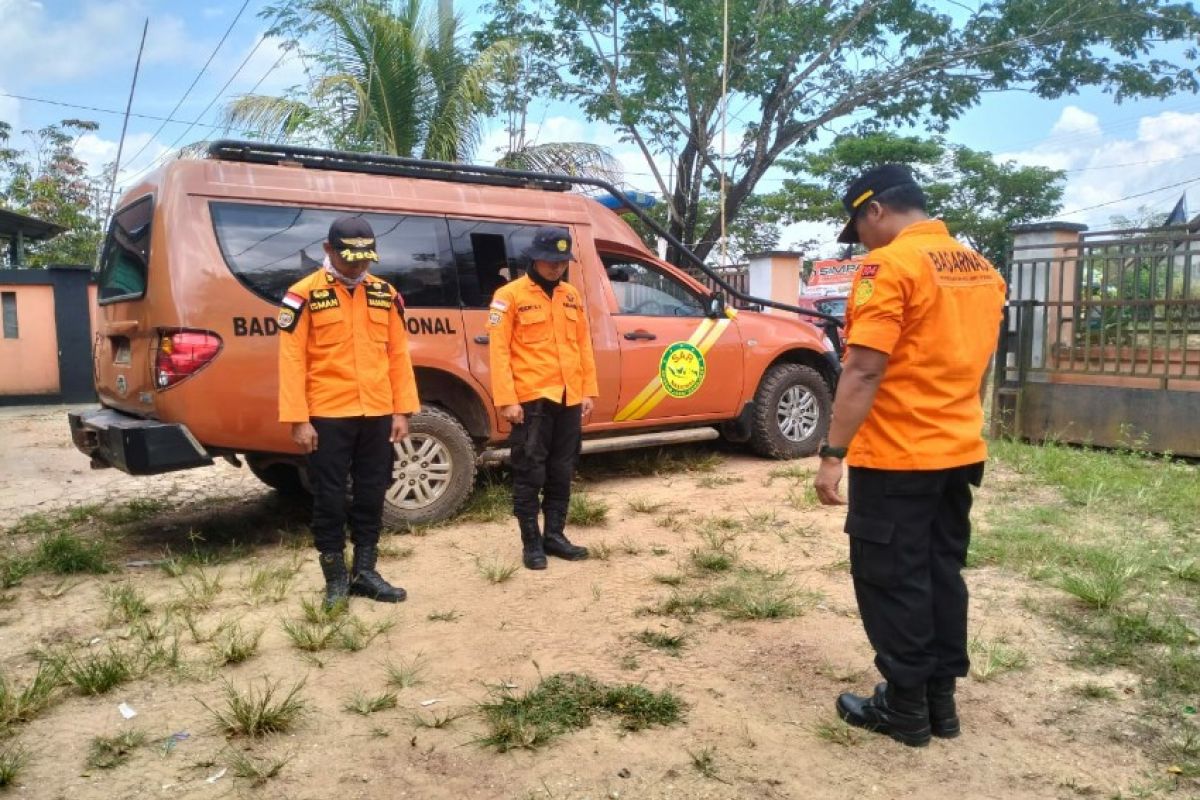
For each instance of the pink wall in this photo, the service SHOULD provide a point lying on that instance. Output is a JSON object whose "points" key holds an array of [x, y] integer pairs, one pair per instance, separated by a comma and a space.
{"points": [[29, 363]]}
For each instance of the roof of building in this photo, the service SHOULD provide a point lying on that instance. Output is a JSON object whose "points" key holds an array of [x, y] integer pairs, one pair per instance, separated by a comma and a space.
{"points": [[31, 228]]}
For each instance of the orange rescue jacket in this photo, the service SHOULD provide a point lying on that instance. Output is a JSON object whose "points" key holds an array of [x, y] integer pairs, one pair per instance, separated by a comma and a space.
{"points": [[343, 354], [540, 347]]}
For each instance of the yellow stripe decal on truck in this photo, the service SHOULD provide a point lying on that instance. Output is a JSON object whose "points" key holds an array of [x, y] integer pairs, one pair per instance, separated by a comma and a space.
{"points": [[705, 336]]}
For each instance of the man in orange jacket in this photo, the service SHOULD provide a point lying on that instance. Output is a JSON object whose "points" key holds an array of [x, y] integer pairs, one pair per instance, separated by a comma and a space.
{"points": [[544, 383], [347, 388], [922, 323]]}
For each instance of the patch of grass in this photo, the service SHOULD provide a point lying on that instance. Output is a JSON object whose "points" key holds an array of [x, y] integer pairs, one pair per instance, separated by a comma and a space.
{"points": [[436, 719], [494, 570], [14, 569], [490, 502], [13, 758], [587, 512], [659, 461], [98, 672], [67, 553], [258, 712], [600, 551], [992, 658], [408, 672], [314, 611], [256, 770], [106, 752], [675, 579], [704, 761], [22, 703], [802, 497], [762, 520], [355, 635], [136, 510], [565, 702], [1093, 691], [233, 645], [717, 481], [443, 616], [672, 522], [365, 704], [200, 588], [836, 731], [272, 583], [672, 644], [629, 662], [311, 637], [629, 547], [395, 551], [1103, 586], [712, 560], [796, 473], [125, 603], [644, 505]]}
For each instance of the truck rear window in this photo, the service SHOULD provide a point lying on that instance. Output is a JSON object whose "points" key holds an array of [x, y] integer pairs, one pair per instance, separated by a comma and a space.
{"points": [[126, 253], [269, 248]]}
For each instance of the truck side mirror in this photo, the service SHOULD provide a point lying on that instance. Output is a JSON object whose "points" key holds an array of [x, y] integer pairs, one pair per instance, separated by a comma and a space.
{"points": [[716, 305]]}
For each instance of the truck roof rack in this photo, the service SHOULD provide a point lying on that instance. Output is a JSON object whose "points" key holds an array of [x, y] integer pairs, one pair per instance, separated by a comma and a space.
{"points": [[401, 166]]}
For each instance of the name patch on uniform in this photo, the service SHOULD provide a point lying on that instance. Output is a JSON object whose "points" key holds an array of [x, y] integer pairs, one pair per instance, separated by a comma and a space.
{"points": [[869, 270], [960, 267], [322, 299]]}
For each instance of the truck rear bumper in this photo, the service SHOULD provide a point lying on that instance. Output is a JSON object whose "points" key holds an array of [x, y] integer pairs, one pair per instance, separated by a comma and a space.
{"points": [[135, 445]]}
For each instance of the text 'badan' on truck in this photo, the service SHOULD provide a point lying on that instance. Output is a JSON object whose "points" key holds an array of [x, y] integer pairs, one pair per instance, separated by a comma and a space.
{"points": [[199, 255]]}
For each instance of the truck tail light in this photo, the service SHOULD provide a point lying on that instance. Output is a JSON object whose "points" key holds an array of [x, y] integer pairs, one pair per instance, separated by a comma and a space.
{"points": [[182, 354]]}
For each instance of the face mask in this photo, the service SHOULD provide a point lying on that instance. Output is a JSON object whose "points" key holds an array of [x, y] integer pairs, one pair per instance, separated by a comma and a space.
{"points": [[345, 281]]}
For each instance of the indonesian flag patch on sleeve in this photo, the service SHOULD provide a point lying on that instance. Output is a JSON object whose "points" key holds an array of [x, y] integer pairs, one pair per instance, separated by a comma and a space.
{"points": [[398, 302], [289, 312]]}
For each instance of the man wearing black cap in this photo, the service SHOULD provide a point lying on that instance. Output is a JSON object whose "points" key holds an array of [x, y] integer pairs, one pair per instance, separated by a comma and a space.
{"points": [[922, 324], [544, 384], [347, 389]]}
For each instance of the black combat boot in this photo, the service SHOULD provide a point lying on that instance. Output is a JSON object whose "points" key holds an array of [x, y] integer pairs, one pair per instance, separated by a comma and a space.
{"points": [[531, 543], [899, 713], [337, 581], [366, 582], [556, 542], [943, 715]]}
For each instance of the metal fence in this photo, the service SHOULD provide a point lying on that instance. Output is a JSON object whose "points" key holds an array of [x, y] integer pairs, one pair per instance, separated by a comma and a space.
{"points": [[1116, 311]]}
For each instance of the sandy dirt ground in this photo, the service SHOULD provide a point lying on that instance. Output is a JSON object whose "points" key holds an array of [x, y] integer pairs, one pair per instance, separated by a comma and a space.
{"points": [[756, 691]]}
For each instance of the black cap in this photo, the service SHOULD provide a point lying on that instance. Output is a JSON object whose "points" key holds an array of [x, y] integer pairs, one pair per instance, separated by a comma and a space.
{"points": [[868, 186], [550, 244], [353, 239]]}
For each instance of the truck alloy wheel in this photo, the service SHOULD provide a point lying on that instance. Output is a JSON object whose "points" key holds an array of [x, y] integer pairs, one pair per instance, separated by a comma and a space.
{"points": [[792, 408], [434, 470]]}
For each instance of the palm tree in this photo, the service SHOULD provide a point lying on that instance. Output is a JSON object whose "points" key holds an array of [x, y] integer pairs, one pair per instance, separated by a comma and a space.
{"points": [[393, 81]]}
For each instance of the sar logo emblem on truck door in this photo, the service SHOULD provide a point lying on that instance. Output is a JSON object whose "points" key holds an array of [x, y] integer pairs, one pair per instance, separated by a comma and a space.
{"points": [[681, 369]]}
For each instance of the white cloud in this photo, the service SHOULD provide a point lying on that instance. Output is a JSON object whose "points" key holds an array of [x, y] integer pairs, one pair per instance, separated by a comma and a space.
{"points": [[277, 70], [1106, 170], [97, 152], [103, 35]]}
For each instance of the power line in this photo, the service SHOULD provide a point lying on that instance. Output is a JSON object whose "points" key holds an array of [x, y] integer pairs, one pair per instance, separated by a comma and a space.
{"points": [[1193, 179], [195, 80], [99, 110]]}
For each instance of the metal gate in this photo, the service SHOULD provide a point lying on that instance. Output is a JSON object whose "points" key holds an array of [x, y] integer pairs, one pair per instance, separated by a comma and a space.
{"points": [[1101, 343]]}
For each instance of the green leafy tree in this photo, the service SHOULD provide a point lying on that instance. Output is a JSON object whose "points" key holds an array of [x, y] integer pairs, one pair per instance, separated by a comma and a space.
{"points": [[384, 77], [654, 69], [978, 197], [49, 182]]}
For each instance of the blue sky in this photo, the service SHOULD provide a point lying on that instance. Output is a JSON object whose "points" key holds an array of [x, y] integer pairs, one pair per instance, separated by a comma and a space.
{"points": [[82, 52]]}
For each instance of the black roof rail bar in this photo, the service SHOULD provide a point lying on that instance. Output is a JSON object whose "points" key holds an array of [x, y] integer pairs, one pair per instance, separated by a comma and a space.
{"points": [[376, 163]]}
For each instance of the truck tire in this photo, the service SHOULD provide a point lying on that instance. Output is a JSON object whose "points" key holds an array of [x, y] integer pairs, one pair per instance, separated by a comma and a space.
{"points": [[434, 470], [792, 408], [281, 476]]}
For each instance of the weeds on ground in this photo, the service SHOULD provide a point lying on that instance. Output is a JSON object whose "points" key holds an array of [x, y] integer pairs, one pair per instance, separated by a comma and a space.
{"points": [[712, 560], [125, 603], [796, 473], [395, 551], [272, 583], [13, 758], [131, 511], [408, 672], [106, 752], [747, 595], [836, 731], [992, 658], [704, 761], [200, 588], [494, 570], [587, 512], [99, 671], [366, 704], [717, 481], [66, 553], [672, 644], [675, 579], [629, 547], [1103, 586], [659, 461], [600, 551], [443, 616], [22, 703], [258, 712], [436, 719], [1093, 691], [490, 502], [322, 629], [233, 645], [567, 701], [256, 770], [643, 505]]}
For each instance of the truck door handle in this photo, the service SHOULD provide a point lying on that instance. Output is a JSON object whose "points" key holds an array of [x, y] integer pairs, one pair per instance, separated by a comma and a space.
{"points": [[640, 334], [482, 339]]}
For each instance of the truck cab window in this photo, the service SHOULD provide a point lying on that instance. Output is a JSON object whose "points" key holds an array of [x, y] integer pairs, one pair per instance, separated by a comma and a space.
{"points": [[269, 248], [126, 253], [487, 256], [643, 290]]}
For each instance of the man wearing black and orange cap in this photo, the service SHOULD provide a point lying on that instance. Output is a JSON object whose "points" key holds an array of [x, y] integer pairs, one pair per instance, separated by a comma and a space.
{"points": [[922, 323], [347, 389], [544, 383]]}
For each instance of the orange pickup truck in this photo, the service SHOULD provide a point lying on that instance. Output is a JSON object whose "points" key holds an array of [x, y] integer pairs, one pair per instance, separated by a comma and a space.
{"points": [[200, 253]]}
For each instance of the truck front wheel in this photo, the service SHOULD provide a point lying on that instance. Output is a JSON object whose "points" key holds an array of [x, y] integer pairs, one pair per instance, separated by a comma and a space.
{"points": [[434, 470], [792, 408]]}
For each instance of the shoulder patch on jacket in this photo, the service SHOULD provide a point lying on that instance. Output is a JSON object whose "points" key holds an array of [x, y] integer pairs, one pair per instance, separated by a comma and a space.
{"points": [[289, 312]]}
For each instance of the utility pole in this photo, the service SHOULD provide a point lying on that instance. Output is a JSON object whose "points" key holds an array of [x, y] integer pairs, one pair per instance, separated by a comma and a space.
{"points": [[112, 187]]}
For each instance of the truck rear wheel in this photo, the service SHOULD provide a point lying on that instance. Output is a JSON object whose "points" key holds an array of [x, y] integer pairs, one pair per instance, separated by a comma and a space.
{"points": [[433, 473], [792, 408]]}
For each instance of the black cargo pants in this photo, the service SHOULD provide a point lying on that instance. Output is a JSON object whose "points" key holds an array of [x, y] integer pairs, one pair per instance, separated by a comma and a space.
{"points": [[545, 449], [909, 533], [358, 447]]}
